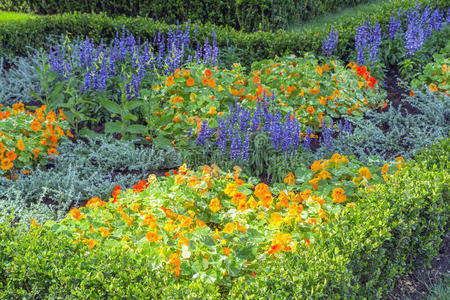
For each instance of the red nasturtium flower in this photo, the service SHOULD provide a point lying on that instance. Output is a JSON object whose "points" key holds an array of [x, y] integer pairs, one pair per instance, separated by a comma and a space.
{"points": [[140, 186], [115, 193]]}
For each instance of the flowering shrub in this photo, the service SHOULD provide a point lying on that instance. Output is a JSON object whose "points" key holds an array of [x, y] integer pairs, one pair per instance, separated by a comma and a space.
{"points": [[216, 225], [304, 89], [27, 139]]}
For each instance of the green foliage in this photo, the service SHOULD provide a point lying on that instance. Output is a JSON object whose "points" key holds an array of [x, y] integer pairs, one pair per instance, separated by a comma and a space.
{"points": [[45, 265], [395, 132], [436, 72], [392, 230], [248, 15], [250, 47], [81, 171], [412, 67]]}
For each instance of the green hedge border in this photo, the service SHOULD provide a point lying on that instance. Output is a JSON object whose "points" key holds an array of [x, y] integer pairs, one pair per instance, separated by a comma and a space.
{"points": [[247, 15], [249, 47], [392, 230]]}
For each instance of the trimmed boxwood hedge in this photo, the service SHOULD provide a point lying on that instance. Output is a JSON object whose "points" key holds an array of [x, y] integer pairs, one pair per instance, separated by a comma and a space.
{"points": [[393, 229], [249, 47], [248, 15]]}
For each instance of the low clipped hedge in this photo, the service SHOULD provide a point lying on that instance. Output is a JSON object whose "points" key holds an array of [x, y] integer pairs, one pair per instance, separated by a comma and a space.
{"points": [[247, 15], [391, 230], [248, 47]]}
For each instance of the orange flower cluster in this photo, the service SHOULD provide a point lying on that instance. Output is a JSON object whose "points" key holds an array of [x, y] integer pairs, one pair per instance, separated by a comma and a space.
{"points": [[362, 71], [168, 218], [34, 136]]}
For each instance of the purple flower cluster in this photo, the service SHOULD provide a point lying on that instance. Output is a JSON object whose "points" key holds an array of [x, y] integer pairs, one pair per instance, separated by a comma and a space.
{"points": [[420, 26], [130, 59], [395, 24], [330, 43], [236, 128], [59, 64], [368, 38]]}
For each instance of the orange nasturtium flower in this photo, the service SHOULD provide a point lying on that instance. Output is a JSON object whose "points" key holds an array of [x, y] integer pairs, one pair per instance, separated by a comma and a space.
{"points": [[208, 73], [96, 202], [385, 168], [242, 205], [170, 81], [314, 91], [364, 172], [211, 83], [176, 262], [226, 251], [34, 223], [36, 152], [310, 110], [76, 214], [276, 219], [190, 81], [433, 87], [6, 164], [91, 243], [153, 237], [317, 165], [52, 151], [338, 195], [290, 179], [104, 231], [212, 110], [20, 145], [214, 205], [229, 228], [11, 155]]}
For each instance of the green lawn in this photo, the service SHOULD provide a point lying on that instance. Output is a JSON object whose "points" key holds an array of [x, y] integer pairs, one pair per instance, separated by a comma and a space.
{"points": [[336, 16], [6, 16]]}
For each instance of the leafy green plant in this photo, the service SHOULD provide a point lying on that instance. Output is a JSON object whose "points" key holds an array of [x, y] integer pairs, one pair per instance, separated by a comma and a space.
{"points": [[435, 74]]}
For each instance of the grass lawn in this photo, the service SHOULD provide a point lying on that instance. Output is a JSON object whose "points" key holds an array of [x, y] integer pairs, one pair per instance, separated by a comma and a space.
{"points": [[6, 16], [336, 16]]}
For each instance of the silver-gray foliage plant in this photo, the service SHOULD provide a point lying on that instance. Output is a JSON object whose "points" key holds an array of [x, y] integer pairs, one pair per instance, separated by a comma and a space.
{"points": [[396, 132], [82, 170]]}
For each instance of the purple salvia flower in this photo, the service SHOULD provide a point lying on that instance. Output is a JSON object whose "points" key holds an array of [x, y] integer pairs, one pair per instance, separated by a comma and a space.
{"points": [[437, 18], [307, 141], [245, 147], [395, 25], [235, 150], [329, 44]]}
